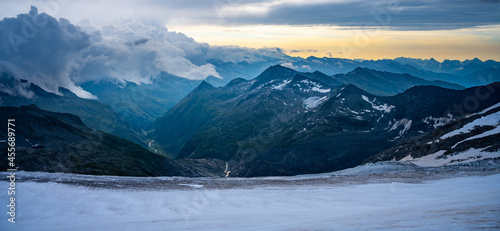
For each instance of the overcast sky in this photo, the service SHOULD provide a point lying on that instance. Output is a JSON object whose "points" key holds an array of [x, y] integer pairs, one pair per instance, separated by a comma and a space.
{"points": [[453, 29]]}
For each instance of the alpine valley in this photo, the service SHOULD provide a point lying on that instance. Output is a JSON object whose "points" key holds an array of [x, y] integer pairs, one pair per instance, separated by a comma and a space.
{"points": [[249, 115]]}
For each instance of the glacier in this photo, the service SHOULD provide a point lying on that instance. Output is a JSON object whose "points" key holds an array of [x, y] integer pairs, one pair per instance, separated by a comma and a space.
{"points": [[394, 196]]}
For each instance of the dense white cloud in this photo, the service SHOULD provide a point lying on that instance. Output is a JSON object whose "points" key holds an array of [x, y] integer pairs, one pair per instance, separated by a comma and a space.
{"points": [[132, 51], [55, 53], [40, 48]]}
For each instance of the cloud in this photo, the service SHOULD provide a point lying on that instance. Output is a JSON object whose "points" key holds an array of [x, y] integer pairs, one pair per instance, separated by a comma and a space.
{"points": [[306, 50], [289, 65], [490, 1], [132, 51], [39, 48], [391, 14], [137, 42], [13, 86], [55, 53], [238, 54]]}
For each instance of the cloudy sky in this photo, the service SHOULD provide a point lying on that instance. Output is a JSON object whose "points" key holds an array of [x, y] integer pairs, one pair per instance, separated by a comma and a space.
{"points": [[368, 29], [58, 52]]}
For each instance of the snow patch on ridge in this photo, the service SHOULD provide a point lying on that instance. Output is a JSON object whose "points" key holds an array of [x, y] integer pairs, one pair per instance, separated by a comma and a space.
{"points": [[150, 145], [438, 122], [406, 123], [280, 86], [484, 134], [489, 120], [314, 101], [384, 108], [485, 110], [438, 158], [315, 87]]}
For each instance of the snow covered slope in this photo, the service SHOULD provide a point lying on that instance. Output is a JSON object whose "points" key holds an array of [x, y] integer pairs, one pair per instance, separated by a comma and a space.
{"points": [[463, 203], [475, 137]]}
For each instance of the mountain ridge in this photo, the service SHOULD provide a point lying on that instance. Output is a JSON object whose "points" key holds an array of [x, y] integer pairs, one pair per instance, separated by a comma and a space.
{"points": [[61, 142], [94, 114], [271, 127]]}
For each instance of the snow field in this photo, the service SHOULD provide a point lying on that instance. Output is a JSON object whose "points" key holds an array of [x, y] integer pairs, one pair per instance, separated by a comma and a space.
{"points": [[464, 203]]}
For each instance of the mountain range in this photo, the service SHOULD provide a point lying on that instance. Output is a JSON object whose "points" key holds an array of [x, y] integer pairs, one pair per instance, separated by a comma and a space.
{"points": [[467, 73], [94, 114], [282, 122]]}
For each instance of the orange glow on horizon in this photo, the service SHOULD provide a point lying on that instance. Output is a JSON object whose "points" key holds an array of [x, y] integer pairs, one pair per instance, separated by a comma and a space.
{"points": [[329, 41]]}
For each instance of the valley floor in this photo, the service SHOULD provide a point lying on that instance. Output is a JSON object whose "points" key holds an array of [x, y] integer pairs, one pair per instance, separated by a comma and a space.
{"points": [[382, 196]]}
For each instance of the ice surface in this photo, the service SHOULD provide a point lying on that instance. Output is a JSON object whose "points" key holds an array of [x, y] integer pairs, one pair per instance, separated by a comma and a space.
{"points": [[461, 203], [192, 185]]}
